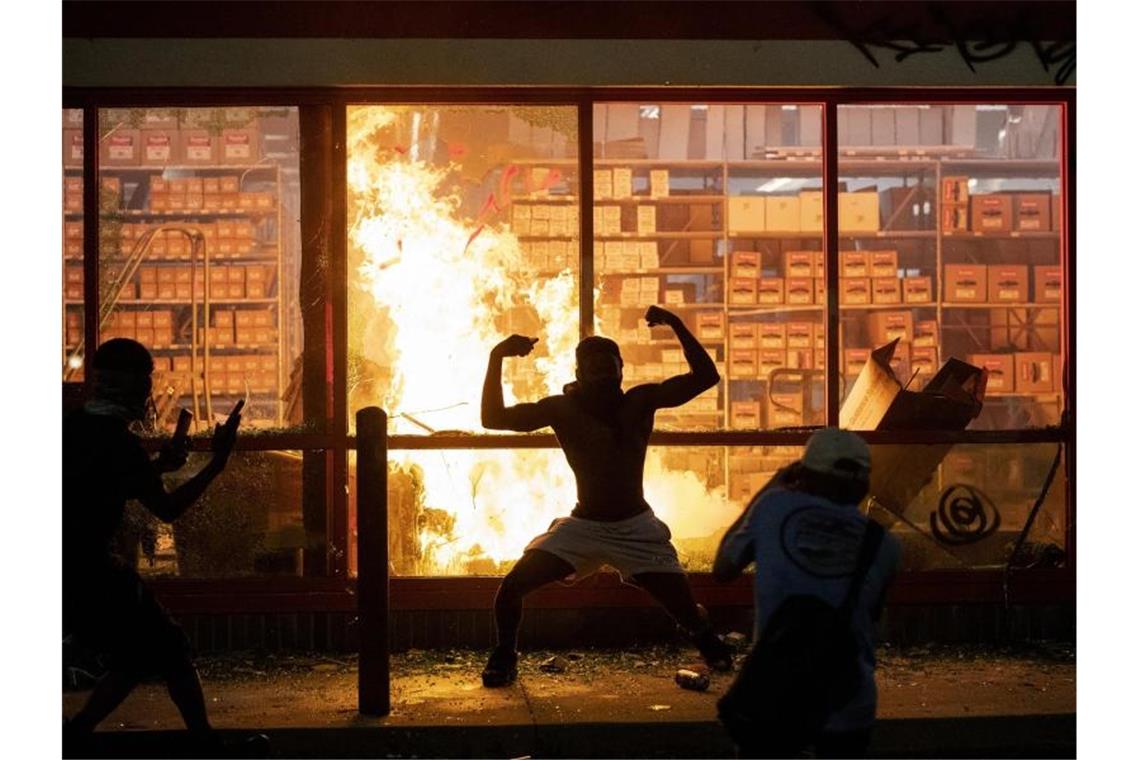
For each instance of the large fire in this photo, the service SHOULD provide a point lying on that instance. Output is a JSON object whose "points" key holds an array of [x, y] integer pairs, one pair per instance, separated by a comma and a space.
{"points": [[438, 287]]}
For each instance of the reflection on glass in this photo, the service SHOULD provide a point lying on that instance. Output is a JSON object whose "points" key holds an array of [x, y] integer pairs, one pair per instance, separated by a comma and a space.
{"points": [[950, 242], [966, 506], [715, 212], [199, 242], [248, 522], [463, 229], [471, 512]]}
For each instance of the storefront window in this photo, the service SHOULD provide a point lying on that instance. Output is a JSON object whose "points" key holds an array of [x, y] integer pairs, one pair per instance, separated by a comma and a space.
{"points": [[463, 229], [715, 212], [249, 522], [473, 512], [199, 247], [966, 506], [950, 243]]}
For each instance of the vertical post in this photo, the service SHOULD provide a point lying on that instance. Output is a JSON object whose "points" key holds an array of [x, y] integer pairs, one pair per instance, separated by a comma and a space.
{"points": [[373, 675], [91, 253], [831, 254], [585, 218]]}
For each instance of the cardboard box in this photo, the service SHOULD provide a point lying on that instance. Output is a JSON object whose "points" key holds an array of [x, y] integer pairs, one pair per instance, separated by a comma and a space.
{"points": [[769, 360], [799, 263], [956, 219], [955, 191], [1008, 283], [817, 263], [917, 290], [966, 283], [646, 220], [886, 290], [770, 291], [854, 264], [603, 184], [923, 363], [885, 326], [859, 212], [1048, 284], [743, 335], [772, 335], [799, 291], [744, 415], [785, 409], [854, 291], [742, 363], [746, 214], [744, 264], [229, 183], [659, 183], [1032, 212], [1000, 376], [710, 325], [198, 147], [900, 362], [991, 213], [160, 147], [239, 146], [1034, 372], [1055, 213], [801, 335], [742, 290], [884, 264], [73, 147], [820, 290], [854, 359], [799, 358], [811, 211], [622, 182], [681, 294], [120, 148], [782, 213]]}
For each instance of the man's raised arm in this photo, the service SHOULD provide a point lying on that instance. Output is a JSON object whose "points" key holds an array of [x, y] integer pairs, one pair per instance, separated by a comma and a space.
{"points": [[702, 373], [495, 415]]}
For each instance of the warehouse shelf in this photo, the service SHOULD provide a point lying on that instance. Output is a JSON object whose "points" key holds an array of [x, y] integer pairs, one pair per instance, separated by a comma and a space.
{"points": [[184, 260], [701, 235], [103, 169], [661, 271], [741, 309], [1012, 235], [214, 347], [1003, 305], [887, 306]]}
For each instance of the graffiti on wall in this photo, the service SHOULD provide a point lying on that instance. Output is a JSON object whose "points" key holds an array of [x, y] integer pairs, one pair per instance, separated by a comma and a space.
{"points": [[975, 43]]}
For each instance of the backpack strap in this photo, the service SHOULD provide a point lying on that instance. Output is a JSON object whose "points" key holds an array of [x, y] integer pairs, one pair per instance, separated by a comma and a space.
{"points": [[868, 548]]}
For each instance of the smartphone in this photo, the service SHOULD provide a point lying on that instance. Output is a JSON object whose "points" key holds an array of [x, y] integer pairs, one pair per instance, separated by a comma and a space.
{"points": [[182, 427]]}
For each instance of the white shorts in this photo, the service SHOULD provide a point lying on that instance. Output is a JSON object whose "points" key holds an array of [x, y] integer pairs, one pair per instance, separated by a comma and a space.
{"points": [[637, 545]]}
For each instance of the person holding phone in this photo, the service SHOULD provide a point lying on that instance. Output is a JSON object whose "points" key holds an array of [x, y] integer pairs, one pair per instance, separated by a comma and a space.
{"points": [[604, 433], [106, 606]]}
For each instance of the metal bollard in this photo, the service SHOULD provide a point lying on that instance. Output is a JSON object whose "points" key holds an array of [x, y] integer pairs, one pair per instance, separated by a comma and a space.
{"points": [[374, 674]]}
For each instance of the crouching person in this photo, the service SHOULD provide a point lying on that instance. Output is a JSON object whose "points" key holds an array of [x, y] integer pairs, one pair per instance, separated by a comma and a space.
{"points": [[822, 569]]}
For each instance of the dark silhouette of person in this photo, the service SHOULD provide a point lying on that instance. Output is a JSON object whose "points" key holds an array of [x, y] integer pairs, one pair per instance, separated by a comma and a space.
{"points": [[804, 532], [604, 433], [106, 606]]}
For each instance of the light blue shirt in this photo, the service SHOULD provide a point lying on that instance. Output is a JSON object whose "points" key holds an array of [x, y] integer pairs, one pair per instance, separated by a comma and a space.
{"points": [[805, 544]]}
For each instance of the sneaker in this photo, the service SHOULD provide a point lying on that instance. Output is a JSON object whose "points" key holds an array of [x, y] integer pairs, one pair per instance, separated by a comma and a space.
{"points": [[502, 668]]}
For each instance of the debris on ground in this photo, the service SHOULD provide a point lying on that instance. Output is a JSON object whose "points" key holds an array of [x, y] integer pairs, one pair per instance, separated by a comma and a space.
{"points": [[659, 708], [736, 640], [553, 664], [692, 679]]}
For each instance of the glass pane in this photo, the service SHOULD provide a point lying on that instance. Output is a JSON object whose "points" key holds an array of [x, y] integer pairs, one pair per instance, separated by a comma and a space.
{"points": [[950, 242], [200, 255], [473, 512], [248, 522], [715, 212], [965, 506], [463, 229], [72, 245]]}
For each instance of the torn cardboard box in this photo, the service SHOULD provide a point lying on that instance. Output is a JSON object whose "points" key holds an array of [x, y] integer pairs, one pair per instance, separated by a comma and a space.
{"points": [[878, 401]]}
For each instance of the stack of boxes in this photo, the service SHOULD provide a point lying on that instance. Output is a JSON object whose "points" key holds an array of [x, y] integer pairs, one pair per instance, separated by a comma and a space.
{"points": [[802, 283], [996, 213], [872, 277], [545, 220], [170, 137], [748, 214]]}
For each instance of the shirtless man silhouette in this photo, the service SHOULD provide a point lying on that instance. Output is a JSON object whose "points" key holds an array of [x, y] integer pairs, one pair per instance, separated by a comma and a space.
{"points": [[604, 433]]}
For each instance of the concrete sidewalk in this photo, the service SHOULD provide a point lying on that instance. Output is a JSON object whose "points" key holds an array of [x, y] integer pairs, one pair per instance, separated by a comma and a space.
{"points": [[941, 704]]}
